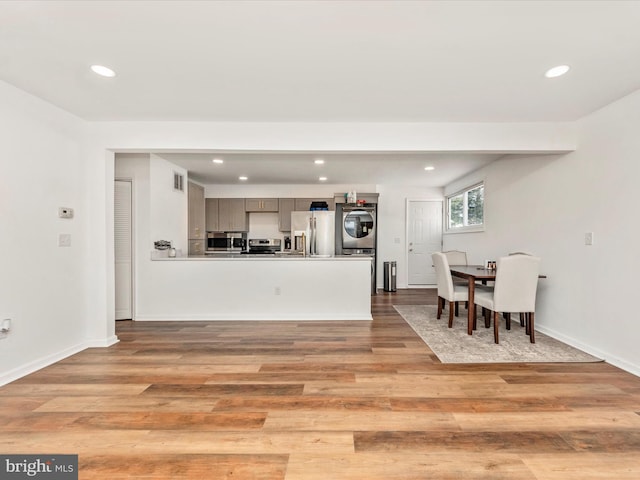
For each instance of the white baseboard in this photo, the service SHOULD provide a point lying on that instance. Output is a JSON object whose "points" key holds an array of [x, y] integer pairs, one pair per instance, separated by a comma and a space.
{"points": [[226, 317], [607, 357], [102, 343], [43, 362], [40, 363]]}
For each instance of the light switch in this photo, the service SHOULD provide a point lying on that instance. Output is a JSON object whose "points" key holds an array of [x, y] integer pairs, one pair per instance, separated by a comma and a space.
{"points": [[588, 238], [64, 240]]}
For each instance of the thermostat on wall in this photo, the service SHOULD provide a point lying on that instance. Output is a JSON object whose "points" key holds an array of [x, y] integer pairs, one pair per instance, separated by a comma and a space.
{"points": [[65, 212]]}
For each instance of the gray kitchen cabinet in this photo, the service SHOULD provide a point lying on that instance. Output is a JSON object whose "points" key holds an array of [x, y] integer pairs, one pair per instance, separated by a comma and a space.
{"points": [[196, 221], [261, 204], [211, 215], [286, 206], [232, 215], [303, 204], [196, 247]]}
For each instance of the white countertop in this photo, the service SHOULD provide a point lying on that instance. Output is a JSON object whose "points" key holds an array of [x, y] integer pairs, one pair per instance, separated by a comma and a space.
{"points": [[161, 256]]}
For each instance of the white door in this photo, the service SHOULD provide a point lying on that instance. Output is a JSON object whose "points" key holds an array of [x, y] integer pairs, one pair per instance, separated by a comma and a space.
{"points": [[123, 250], [424, 238]]}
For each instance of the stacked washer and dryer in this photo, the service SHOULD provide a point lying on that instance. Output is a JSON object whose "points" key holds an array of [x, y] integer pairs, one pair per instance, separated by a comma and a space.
{"points": [[356, 226]]}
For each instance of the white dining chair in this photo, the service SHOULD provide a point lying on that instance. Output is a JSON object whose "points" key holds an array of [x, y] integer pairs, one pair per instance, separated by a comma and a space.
{"points": [[521, 313], [456, 257], [514, 291], [447, 291]]}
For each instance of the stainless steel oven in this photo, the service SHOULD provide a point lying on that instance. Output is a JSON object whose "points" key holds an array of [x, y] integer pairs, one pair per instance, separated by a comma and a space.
{"points": [[220, 242]]}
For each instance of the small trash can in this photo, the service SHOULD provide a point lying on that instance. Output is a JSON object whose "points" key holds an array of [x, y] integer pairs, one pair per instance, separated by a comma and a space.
{"points": [[389, 276]]}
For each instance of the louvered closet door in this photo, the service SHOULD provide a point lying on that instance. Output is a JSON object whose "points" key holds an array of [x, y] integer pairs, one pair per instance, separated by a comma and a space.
{"points": [[123, 250]]}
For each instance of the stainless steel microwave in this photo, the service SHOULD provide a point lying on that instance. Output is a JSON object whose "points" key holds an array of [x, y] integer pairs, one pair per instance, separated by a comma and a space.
{"points": [[226, 242]]}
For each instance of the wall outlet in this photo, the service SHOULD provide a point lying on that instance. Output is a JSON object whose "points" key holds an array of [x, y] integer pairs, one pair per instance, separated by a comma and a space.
{"points": [[276, 291], [64, 240], [588, 238], [65, 212], [5, 328]]}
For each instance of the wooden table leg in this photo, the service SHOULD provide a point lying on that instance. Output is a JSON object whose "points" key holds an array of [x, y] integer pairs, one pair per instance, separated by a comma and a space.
{"points": [[471, 312]]}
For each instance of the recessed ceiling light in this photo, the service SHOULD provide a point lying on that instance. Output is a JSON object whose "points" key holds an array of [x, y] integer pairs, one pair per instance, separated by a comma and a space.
{"points": [[557, 71], [318, 161], [429, 168], [323, 179], [217, 160], [102, 70], [243, 178]]}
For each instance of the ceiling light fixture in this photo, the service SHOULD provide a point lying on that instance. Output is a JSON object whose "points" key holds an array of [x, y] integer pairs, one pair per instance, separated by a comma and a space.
{"points": [[429, 168], [318, 161], [323, 179], [103, 71], [243, 178], [218, 161], [557, 71]]}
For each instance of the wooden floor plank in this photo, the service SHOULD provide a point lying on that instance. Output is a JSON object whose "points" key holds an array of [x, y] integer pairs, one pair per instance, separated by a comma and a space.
{"points": [[413, 466], [181, 466]]}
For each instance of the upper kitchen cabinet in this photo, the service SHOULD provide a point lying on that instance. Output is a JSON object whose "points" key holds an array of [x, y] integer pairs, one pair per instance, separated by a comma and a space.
{"points": [[286, 206], [211, 215], [196, 211], [303, 204], [261, 204], [232, 215]]}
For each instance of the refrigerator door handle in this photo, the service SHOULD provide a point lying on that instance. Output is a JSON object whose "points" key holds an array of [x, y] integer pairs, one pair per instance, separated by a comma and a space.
{"points": [[312, 243]]}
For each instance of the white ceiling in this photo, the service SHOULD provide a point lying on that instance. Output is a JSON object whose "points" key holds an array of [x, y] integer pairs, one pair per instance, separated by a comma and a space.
{"points": [[369, 61], [340, 168]]}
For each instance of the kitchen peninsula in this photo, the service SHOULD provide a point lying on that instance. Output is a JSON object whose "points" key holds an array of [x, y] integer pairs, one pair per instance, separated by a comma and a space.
{"points": [[267, 287]]}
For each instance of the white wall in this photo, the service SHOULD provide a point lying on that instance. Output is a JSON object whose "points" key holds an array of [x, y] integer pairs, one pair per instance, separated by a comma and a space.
{"points": [[43, 287], [136, 167], [545, 205], [169, 207], [392, 229]]}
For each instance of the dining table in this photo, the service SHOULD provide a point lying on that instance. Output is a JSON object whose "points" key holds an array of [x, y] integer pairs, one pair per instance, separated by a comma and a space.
{"points": [[473, 273]]}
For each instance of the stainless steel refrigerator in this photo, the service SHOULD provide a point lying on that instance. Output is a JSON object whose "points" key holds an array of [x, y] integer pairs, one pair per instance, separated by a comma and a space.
{"points": [[319, 229]]}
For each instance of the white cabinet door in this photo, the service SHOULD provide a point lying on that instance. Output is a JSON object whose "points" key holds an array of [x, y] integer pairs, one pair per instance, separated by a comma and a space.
{"points": [[425, 238]]}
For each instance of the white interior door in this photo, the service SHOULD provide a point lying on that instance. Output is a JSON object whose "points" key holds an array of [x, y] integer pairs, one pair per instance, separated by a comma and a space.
{"points": [[424, 237], [123, 250]]}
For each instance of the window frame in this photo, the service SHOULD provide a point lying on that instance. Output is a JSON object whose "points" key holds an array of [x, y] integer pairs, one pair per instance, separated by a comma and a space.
{"points": [[465, 228]]}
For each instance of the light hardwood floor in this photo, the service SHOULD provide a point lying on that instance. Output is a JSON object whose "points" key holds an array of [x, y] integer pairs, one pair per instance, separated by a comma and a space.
{"points": [[320, 400]]}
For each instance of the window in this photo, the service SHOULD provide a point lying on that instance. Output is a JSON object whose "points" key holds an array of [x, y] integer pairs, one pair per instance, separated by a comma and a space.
{"points": [[465, 210]]}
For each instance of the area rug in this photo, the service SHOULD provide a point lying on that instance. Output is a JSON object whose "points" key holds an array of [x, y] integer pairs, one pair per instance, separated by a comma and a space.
{"points": [[454, 345]]}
